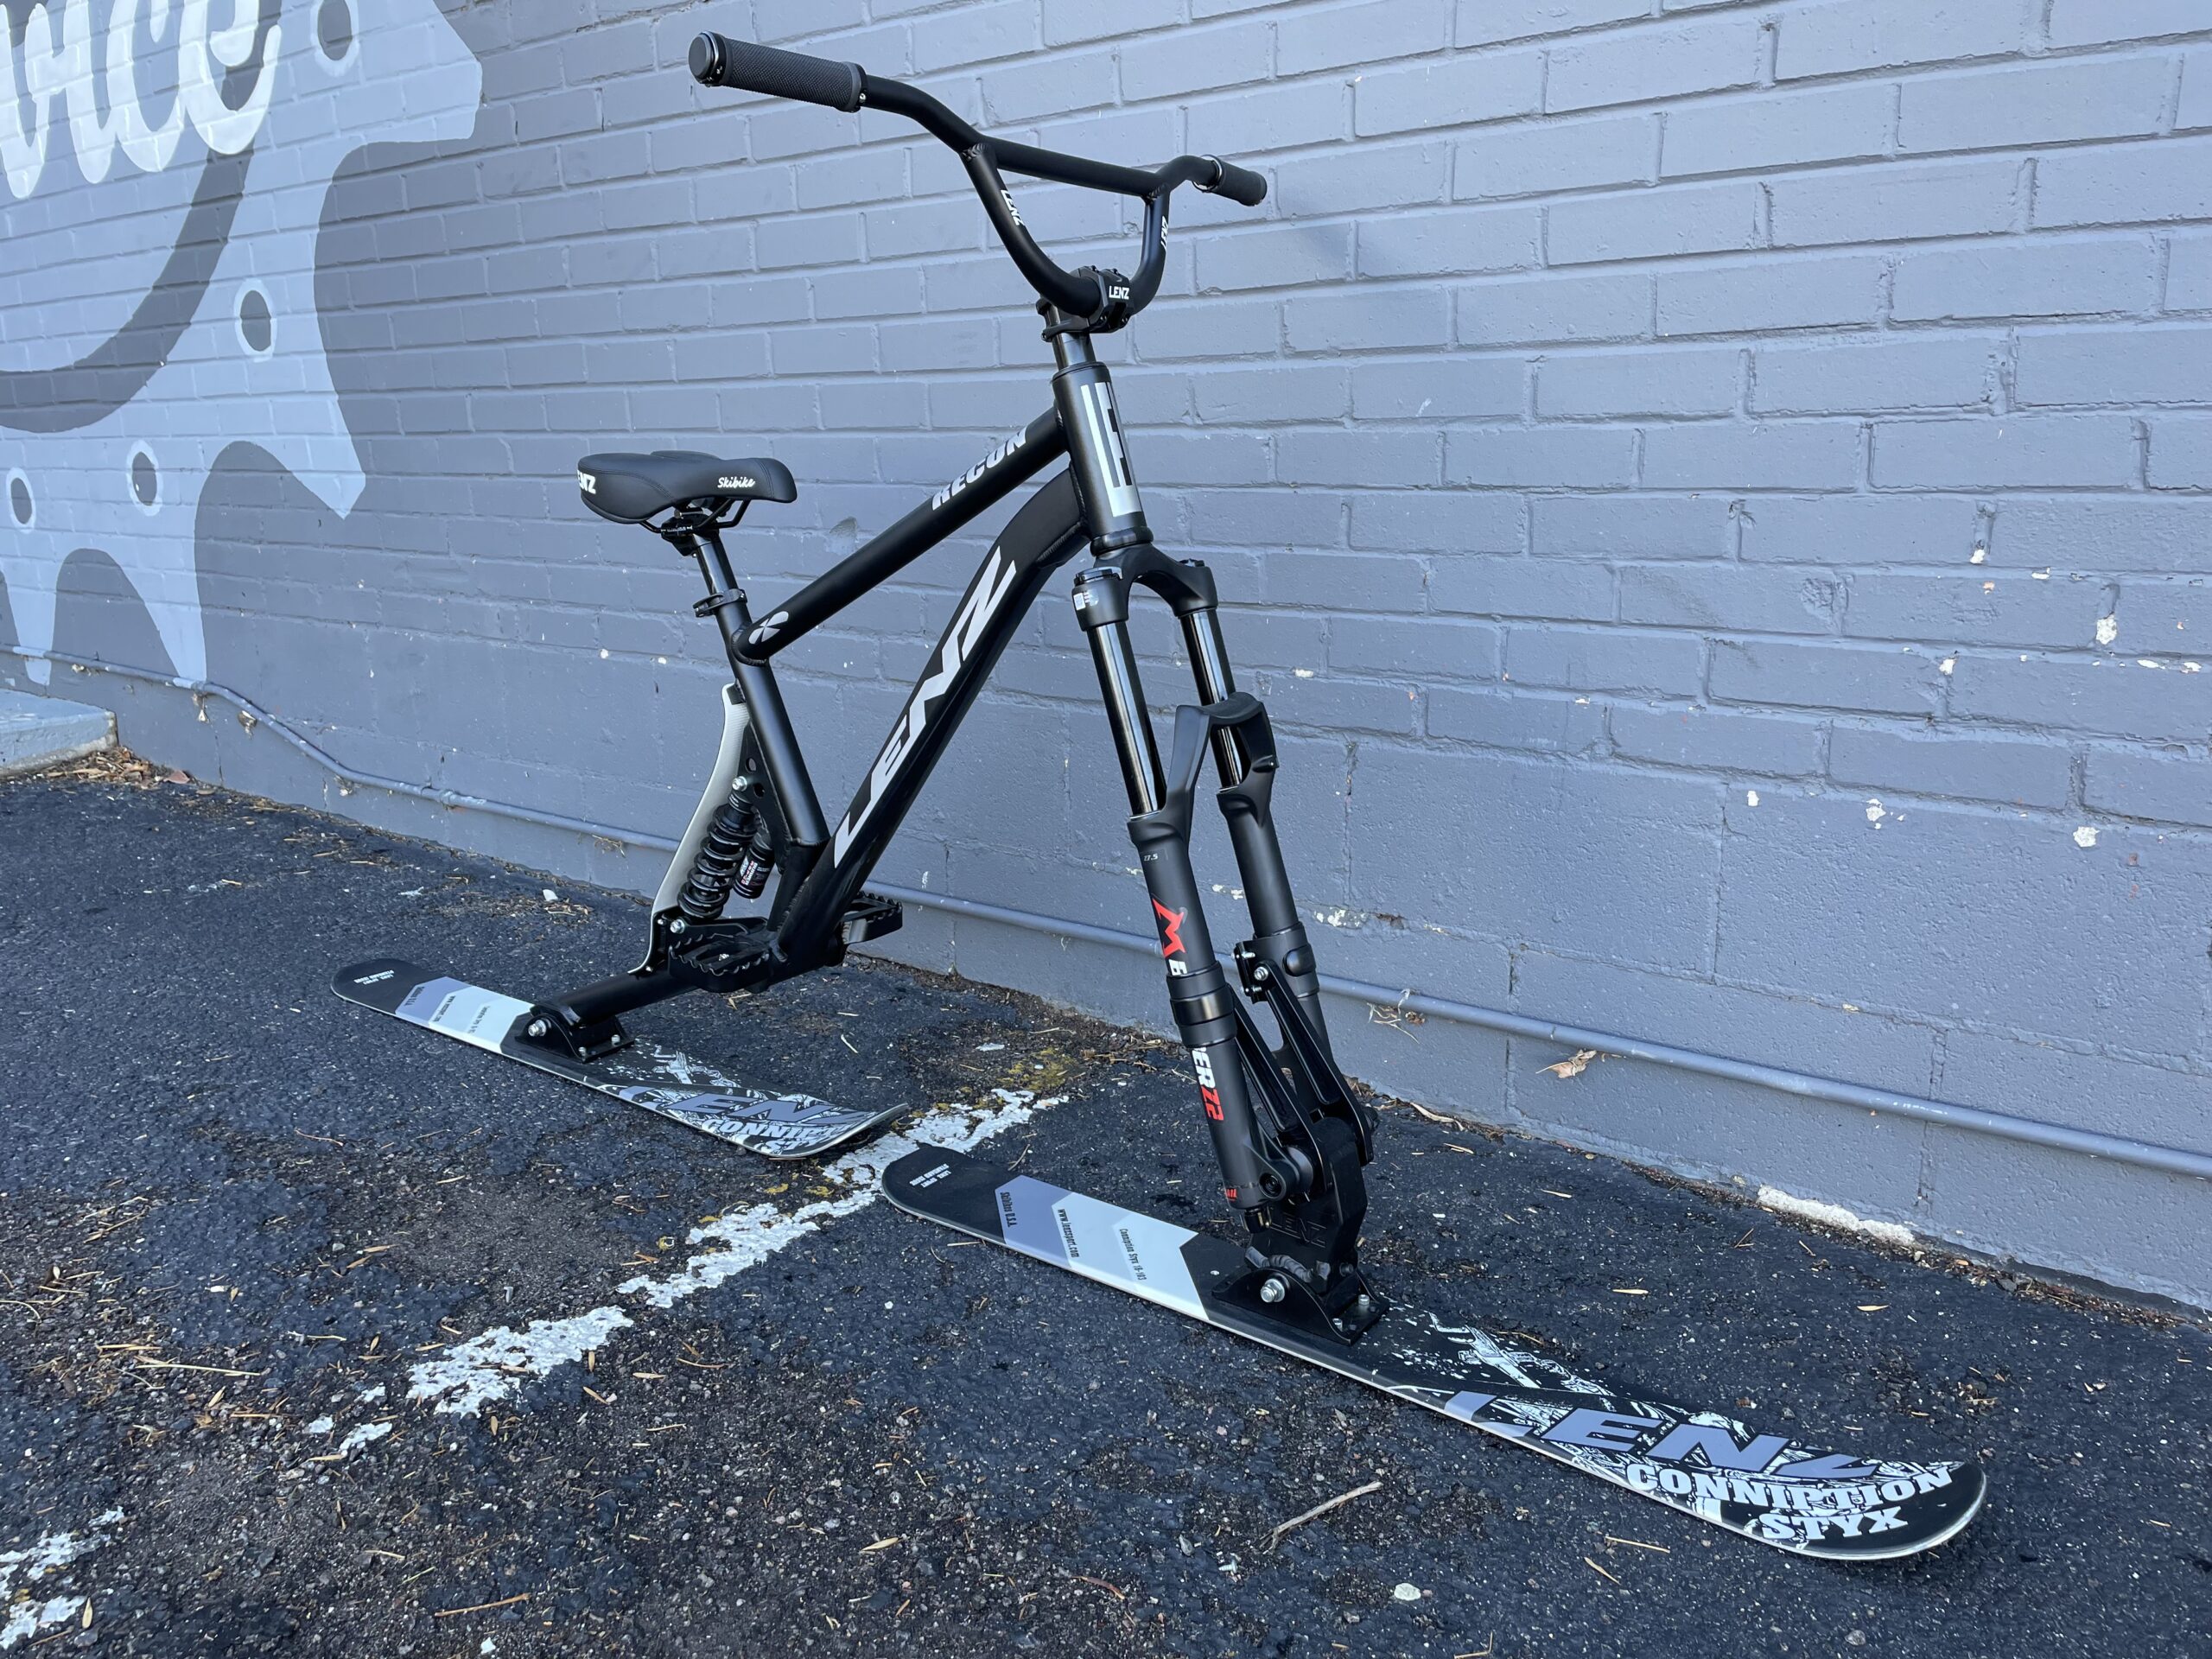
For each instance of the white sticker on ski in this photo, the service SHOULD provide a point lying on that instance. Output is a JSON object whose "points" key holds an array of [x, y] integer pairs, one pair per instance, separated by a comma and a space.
{"points": [[460, 1009], [1139, 1253]]}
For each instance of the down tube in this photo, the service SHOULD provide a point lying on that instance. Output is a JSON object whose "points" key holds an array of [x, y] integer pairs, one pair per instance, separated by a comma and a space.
{"points": [[1046, 533]]}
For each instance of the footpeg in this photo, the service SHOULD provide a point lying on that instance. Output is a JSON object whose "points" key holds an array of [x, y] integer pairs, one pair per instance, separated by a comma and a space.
{"points": [[872, 917]]}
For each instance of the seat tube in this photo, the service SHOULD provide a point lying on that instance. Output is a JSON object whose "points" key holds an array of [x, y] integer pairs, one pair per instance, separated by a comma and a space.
{"points": [[1200, 993], [756, 685]]}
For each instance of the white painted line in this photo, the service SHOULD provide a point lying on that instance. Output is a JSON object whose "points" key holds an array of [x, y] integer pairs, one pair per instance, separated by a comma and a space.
{"points": [[750, 1236], [50, 1553], [470, 1375], [366, 1434], [473, 1374], [29, 1618]]}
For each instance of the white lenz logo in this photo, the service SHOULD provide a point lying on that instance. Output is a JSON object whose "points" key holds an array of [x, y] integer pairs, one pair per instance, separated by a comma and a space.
{"points": [[960, 642], [586, 483], [735, 483]]}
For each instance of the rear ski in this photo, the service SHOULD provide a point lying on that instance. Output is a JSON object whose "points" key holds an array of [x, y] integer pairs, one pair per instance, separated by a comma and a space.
{"points": [[1767, 1487], [664, 1081]]}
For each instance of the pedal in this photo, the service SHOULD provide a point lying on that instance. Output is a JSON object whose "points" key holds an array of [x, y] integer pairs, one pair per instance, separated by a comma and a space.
{"points": [[872, 917]]}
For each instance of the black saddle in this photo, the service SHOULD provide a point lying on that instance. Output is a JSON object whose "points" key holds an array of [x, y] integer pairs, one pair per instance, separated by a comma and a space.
{"points": [[630, 489]]}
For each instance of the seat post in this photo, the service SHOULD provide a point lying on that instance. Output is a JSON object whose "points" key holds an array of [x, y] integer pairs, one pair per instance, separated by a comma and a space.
{"points": [[725, 601]]}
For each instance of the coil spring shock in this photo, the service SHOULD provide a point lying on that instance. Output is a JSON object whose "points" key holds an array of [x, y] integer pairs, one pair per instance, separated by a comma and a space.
{"points": [[759, 859], [726, 858]]}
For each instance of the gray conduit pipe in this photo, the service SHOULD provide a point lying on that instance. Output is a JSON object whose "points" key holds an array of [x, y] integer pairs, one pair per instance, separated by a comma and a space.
{"points": [[2004, 1126]]}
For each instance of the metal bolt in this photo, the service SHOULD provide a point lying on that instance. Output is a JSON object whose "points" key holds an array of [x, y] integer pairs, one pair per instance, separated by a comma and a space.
{"points": [[538, 1027], [1365, 1304], [676, 925], [1272, 1290]]}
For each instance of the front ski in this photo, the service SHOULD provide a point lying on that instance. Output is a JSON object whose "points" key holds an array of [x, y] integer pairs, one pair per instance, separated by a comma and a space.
{"points": [[662, 1080], [1808, 1501]]}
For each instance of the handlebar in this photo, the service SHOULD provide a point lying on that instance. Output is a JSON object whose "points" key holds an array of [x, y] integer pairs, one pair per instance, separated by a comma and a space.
{"points": [[1096, 298], [717, 60]]}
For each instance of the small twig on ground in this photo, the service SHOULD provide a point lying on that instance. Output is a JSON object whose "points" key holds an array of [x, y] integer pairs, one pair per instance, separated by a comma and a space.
{"points": [[481, 1608], [1320, 1510]]}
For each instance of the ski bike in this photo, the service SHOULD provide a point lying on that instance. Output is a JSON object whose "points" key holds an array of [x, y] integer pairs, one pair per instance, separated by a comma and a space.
{"points": [[1292, 1136]]}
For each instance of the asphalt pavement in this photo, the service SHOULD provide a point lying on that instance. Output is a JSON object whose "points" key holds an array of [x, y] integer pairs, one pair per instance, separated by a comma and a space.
{"points": [[319, 1334]]}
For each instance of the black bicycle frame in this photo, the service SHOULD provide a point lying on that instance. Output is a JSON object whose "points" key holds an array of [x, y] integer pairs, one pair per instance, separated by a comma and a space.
{"points": [[821, 872], [1288, 1131]]}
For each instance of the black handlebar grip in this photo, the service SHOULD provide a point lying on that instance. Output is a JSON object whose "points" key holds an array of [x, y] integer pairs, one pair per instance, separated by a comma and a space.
{"points": [[717, 60], [1239, 184]]}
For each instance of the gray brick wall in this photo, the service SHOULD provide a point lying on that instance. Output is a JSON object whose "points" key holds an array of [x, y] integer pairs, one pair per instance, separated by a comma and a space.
{"points": [[1718, 495]]}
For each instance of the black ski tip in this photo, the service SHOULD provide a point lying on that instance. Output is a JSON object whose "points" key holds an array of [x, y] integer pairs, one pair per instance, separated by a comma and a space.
{"points": [[859, 1126], [935, 1171], [902, 1170], [1932, 1518], [358, 982]]}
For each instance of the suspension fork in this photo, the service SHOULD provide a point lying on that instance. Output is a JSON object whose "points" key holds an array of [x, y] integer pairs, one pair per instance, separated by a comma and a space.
{"points": [[1278, 940], [1289, 1133]]}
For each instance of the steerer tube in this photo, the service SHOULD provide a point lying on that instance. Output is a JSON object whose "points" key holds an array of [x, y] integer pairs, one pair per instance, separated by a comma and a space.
{"points": [[1097, 456]]}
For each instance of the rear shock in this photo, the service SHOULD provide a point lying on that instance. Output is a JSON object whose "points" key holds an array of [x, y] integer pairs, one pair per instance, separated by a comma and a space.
{"points": [[735, 857]]}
